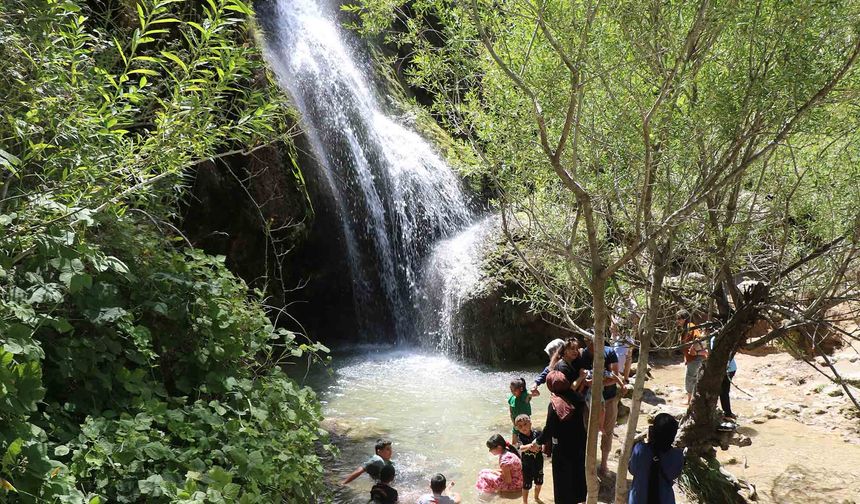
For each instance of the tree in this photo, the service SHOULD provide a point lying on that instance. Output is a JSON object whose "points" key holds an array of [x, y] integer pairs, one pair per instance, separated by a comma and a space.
{"points": [[607, 125]]}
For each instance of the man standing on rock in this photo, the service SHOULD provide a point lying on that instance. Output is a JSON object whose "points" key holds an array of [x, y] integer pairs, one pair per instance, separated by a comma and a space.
{"points": [[695, 351]]}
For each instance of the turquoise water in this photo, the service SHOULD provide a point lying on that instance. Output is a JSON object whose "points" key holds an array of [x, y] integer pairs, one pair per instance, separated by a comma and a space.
{"points": [[438, 412]]}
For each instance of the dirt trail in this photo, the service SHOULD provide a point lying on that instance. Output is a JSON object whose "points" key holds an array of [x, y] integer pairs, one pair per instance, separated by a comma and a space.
{"points": [[805, 448]]}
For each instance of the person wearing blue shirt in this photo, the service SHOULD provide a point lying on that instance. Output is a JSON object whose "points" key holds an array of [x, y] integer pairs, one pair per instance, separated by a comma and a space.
{"points": [[656, 464]]}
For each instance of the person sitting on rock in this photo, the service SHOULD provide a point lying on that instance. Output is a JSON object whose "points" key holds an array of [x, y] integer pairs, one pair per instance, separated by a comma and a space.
{"points": [[373, 466]]}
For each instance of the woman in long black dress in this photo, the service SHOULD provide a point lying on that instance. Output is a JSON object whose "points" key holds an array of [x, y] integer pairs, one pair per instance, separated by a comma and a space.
{"points": [[566, 429]]}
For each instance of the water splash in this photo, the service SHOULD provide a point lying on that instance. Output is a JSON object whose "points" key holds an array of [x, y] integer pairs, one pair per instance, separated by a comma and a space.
{"points": [[451, 276], [395, 196]]}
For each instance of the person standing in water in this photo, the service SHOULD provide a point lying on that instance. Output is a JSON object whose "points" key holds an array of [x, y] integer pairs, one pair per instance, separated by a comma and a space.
{"points": [[519, 403], [374, 464], [532, 459]]}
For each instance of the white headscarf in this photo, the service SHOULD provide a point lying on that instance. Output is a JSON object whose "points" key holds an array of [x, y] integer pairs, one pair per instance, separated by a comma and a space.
{"points": [[553, 346]]}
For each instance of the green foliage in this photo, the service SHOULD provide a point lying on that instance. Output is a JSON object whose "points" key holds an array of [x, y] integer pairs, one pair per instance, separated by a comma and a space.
{"points": [[132, 370], [703, 482], [650, 120], [146, 379], [94, 109]]}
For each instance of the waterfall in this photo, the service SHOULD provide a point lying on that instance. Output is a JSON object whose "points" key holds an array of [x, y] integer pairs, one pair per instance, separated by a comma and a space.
{"points": [[395, 196], [451, 274]]}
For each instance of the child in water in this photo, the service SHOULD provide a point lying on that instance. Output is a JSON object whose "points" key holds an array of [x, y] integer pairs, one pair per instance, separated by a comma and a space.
{"points": [[373, 466], [509, 477], [532, 460], [438, 483], [519, 403], [382, 493]]}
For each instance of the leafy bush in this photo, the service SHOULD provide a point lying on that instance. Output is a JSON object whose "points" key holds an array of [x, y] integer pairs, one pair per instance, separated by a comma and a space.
{"points": [[131, 370], [147, 378]]}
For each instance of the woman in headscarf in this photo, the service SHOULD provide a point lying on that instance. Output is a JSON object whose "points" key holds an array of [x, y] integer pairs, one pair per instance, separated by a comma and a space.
{"points": [[565, 429]]}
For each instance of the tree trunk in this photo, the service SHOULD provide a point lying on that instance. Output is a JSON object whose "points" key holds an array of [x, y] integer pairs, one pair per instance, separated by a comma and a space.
{"points": [[601, 323], [698, 432], [661, 262]]}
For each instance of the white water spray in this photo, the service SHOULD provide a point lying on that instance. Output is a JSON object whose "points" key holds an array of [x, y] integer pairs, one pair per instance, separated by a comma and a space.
{"points": [[396, 197]]}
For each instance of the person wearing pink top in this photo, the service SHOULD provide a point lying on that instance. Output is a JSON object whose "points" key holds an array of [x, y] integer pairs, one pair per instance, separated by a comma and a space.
{"points": [[509, 476]]}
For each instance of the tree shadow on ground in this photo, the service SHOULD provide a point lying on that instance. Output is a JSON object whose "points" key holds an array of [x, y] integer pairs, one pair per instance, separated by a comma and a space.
{"points": [[747, 431]]}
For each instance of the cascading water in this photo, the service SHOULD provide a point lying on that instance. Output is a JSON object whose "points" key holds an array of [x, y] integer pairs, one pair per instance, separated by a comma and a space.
{"points": [[451, 273], [395, 195]]}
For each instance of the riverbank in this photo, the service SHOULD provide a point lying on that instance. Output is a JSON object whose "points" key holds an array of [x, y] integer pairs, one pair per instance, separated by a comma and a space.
{"points": [[805, 447], [439, 413]]}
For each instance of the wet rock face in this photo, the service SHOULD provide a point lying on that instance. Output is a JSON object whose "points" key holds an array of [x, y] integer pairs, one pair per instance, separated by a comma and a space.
{"points": [[248, 208], [500, 331], [495, 329], [254, 210]]}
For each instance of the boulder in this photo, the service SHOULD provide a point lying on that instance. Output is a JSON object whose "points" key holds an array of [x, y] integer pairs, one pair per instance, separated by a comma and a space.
{"points": [[483, 317]]}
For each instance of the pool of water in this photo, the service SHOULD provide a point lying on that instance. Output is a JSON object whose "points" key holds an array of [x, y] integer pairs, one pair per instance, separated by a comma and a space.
{"points": [[438, 412]]}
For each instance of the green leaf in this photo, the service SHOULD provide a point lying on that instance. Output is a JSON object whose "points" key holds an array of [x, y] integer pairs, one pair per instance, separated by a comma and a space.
{"points": [[141, 16], [239, 7], [9, 161], [165, 20], [143, 71], [231, 491], [12, 452], [119, 49], [80, 281], [108, 315], [61, 325], [152, 486], [176, 59], [157, 451], [61, 451], [219, 477]]}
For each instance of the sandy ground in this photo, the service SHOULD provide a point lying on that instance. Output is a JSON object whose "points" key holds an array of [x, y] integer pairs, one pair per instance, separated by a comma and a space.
{"points": [[805, 445]]}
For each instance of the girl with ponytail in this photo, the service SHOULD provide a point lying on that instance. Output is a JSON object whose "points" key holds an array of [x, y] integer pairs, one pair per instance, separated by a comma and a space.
{"points": [[656, 464], [519, 403], [509, 476]]}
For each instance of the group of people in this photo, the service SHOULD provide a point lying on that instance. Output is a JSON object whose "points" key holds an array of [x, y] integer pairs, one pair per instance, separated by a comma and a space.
{"points": [[654, 464], [381, 469], [568, 377]]}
